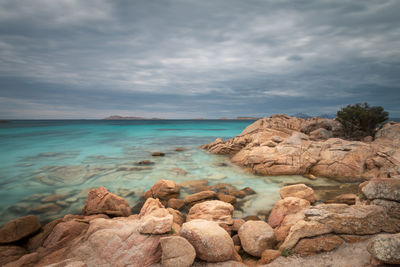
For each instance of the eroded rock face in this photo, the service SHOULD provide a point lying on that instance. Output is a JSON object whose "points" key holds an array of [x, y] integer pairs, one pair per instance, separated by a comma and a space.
{"points": [[340, 219], [385, 188], [100, 201], [256, 236], [298, 190], [211, 242], [163, 190], [284, 207], [303, 149], [19, 228], [176, 252], [212, 210], [385, 248], [309, 246]]}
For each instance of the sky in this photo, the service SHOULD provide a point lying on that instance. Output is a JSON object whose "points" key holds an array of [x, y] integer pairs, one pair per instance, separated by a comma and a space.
{"points": [[81, 59]]}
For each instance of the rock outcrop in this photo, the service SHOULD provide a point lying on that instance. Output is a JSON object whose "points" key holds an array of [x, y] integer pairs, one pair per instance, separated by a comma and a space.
{"points": [[100, 201], [155, 218], [19, 228], [283, 145]]}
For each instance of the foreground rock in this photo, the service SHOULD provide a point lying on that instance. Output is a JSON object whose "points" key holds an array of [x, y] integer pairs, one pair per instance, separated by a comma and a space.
{"points": [[256, 236], [211, 242], [10, 253], [386, 248], [283, 145], [19, 228], [284, 207], [176, 252], [212, 210], [100, 201], [154, 218]]}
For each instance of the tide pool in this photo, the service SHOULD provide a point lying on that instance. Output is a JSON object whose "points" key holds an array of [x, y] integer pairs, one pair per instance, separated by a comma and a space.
{"points": [[47, 167]]}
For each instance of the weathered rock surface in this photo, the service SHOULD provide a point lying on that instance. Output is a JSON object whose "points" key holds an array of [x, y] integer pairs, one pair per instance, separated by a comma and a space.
{"points": [[309, 246], [176, 252], [298, 190], [200, 196], [100, 201], [340, 219], [385, 248], [163, 190], [268, 256], [176, 203], [302, 154], [10, 253], [19, 228], [284, 207], [385, 188], [256, 236], [211, 242], [154, 218], [349, 199], [212, 210]]}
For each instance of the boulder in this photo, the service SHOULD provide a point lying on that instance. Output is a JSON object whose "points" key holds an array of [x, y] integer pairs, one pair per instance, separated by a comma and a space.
{"points": [[163, 190], [320, 134], [200, 196], [176, 252], [385, 248], [309, 246], [158, 154], [211, 242], [268, 256], [340, 219], [10, 253], [178, 217], [256, 236], [19, 228], [237, 223], [176, 203], [154, 218], [282, 231], [284, 207], [100, 201], [383, 188], [212, 210], [298, 190], [226, 198]]}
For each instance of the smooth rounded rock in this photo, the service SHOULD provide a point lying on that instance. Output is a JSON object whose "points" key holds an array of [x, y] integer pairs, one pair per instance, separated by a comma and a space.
{"points": [[298, 190], [256, 236], [19, 228], [176, 252]]}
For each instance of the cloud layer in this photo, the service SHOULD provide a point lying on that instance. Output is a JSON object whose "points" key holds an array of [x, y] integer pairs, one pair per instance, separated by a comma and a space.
{"points": [[186, 59]]}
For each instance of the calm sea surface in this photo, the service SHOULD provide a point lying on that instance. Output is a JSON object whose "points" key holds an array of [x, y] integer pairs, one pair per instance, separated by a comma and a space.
{"points": [[47, 167]]}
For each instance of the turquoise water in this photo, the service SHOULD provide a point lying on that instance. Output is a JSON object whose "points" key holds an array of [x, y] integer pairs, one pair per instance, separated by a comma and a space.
{"points": [[64, 159]]}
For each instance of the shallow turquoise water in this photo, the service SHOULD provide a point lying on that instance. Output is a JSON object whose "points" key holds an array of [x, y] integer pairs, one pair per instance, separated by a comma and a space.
{"points": [[67, 158]]}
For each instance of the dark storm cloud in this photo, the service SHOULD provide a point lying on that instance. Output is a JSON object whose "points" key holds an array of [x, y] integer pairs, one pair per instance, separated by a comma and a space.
{"points": [[179, 58]]}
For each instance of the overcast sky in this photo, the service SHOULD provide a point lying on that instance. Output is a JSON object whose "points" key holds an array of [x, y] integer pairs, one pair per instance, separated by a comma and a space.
{"points": [[191, 59]]}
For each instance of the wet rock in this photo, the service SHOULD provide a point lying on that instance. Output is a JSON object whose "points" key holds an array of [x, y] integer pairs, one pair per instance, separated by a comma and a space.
{"points": [[158, 154], [212, 210], [154, 218], [19, 228], [195, 185], [226, 198], [163, 190], [268, 256], [309, 246], [54, 198], [256, 236], [100, 201], [284, 207], [179, 171], [10, 253], [145, 162], [211, 242], [298, 190], [248, 191], [180, 149], [176, 203], [201, 196], [385, 248], [349, 199], [176, 252]]}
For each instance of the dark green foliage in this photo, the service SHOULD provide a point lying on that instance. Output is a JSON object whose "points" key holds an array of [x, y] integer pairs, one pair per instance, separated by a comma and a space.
{"points": [[287, 252], [361, 120]]}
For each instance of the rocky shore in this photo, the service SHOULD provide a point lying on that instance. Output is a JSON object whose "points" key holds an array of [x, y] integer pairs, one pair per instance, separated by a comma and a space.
{"points": [[283, 145], [200, 230]]}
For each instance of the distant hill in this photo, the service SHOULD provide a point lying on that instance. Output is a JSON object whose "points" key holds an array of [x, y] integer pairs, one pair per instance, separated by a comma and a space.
{"points": [[302, 116], [247, 118], [116, 117]]}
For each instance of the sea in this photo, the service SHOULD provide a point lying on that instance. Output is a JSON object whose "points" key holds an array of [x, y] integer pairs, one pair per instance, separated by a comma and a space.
{"points": [[47, 167]]}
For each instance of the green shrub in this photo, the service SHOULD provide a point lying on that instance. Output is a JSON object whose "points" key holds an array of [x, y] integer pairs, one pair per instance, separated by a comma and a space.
{"points": [[361, 120], [287, 252]]}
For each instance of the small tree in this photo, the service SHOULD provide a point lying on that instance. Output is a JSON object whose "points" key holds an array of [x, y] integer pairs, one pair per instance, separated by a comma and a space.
{"points": [[361, 120]]}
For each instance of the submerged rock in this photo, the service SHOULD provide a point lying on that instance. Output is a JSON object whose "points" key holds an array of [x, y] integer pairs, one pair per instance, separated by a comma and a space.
{"points": [[100, 201]]}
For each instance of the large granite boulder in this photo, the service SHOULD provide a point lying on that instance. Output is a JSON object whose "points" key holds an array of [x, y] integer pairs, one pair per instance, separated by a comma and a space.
{"points": [[176, 252], [384, 188], [385, 248], [154, 218], [256, 236], [163, 190], [284, 207], [298, 190], [100, 201], [19, 228], [211, 242], [212, 210]]}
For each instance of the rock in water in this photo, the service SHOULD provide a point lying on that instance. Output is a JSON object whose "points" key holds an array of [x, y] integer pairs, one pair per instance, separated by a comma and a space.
{"points": [[256, 236], [298, 190], [163, 190], [211, 242], [100, 201], [176, 252], [386, 248], [19, 228]]}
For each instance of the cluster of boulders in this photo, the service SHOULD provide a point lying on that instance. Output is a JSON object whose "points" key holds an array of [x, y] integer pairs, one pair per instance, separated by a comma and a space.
{"points": [[283, 145], [108, 234]]}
